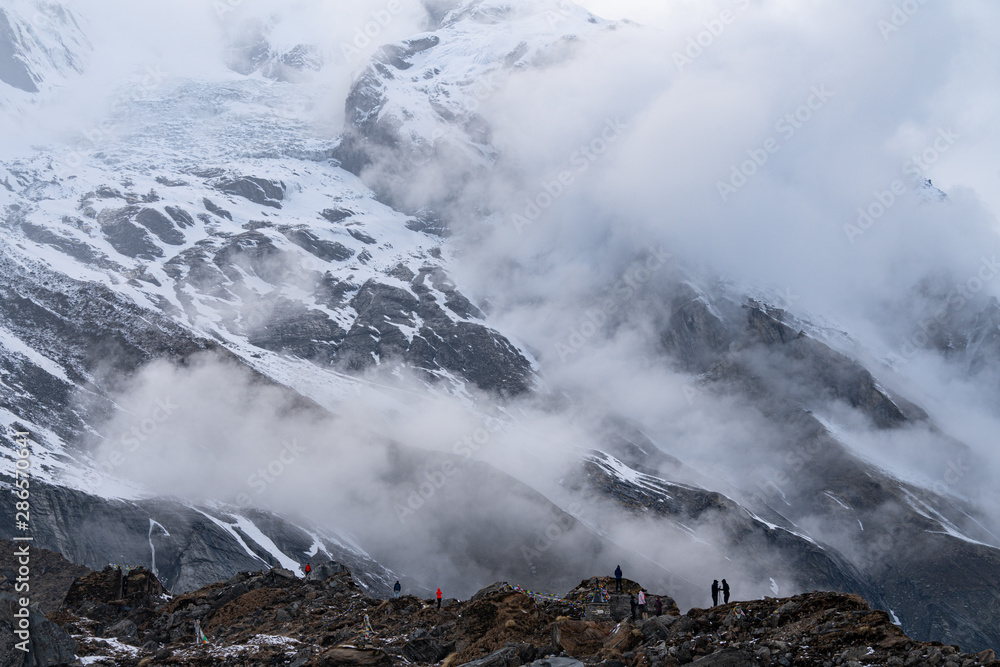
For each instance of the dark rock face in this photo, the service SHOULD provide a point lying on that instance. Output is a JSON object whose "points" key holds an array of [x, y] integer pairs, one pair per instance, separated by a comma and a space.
{"points": [[293, 329], [330, 251], [841, 378], [336, 214], [695, 336], [160, 225], [13, 69], [258, 190], [255, 253], [73, 247], [124, 236], [397, 55], [468, 348], [214, 208], [180, 216]]}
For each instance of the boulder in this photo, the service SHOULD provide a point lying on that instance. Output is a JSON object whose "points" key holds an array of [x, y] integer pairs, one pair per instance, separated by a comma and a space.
{"points": [[497, 587], [505, 657], [323, 571], [343, 656], [624, 637], [48, 645], [426, 650], [578, 638], [556, 662], [726, 658], [655, 629], [124, 630]]}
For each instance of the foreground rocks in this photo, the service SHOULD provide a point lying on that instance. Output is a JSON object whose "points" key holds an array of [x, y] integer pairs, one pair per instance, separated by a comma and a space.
{"points": [[276, 618]]}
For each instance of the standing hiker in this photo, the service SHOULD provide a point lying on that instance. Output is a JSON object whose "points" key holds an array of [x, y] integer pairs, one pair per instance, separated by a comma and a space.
{"points": [[308, 569], [715, 592], [618, 578], [725, 591], [658, 606], [642, 604], [395, 590], [631, 600], [439, 598]]}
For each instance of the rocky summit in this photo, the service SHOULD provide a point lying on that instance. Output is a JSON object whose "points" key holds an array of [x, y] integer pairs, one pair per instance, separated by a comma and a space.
{"points": [[123, 618]]}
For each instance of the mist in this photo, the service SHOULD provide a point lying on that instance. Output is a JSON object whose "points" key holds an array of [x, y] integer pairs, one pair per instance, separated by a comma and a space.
{"points": [[746, 164]]}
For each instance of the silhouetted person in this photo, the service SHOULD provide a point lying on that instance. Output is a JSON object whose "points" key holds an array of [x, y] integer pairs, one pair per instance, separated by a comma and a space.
{"points": [[658, 606], [439, 598], [725, 591], [618, 578], [395, 590], [715, 592], [642, 603], [631, 599]]}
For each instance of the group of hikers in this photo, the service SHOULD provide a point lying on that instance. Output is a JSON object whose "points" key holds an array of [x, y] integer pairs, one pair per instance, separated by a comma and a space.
{"points": [[724, 588], [640, 603]]}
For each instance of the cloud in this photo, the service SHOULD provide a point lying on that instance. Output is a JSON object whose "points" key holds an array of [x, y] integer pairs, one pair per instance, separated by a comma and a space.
{"points": [[739, 139]]}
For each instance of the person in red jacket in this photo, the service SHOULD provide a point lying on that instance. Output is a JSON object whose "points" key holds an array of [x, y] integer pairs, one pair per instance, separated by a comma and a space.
{"points": [[439, 598], [308, 568]]}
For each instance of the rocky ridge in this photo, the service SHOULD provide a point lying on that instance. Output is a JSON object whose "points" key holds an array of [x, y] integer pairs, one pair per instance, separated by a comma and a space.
{"points": [[274, 617]]}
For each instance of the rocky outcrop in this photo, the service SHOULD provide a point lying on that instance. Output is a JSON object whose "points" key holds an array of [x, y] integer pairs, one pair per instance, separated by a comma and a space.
{"points": [[258, 190], [52, 575], [277, 617], [48, 644]]}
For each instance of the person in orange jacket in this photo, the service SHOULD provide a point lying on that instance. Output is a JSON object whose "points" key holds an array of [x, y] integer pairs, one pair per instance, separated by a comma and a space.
{"points": [[439, 598]]}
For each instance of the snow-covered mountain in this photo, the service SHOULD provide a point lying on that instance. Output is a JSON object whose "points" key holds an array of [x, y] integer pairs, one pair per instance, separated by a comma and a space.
{"points": [[212, 225], [41, 45]]}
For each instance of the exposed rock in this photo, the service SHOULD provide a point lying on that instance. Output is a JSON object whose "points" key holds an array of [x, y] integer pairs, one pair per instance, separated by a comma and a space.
{"points": [[258, 190], [578, 637], [124, 236], [212, 207], [343, 656], [325, 250], [48, 644], [323, 571], [160, 225]]}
